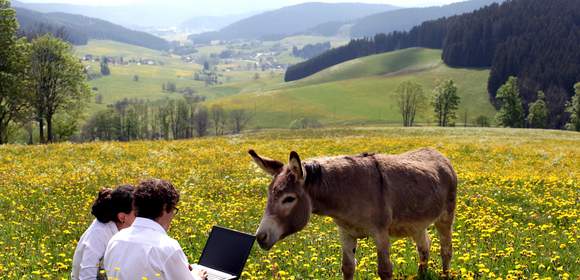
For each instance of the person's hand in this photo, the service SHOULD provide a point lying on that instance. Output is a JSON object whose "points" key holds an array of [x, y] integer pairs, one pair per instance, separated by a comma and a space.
{"points": [[202, 274]]}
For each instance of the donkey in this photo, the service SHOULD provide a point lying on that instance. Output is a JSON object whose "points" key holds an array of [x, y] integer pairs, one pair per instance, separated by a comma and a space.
{"points": [[370, 195]]}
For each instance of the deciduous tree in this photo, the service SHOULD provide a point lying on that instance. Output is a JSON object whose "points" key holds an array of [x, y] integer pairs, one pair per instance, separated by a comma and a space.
{"points": [[13, 67], [239, 119], [573, 107], [57, 78], [538, 115], [410, 98], [445, 102], [201, 120], [511, 113], [218, 117]]}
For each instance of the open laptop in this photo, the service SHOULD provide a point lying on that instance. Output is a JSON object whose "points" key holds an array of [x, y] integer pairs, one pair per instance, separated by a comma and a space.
{"points": [[225, 253]]}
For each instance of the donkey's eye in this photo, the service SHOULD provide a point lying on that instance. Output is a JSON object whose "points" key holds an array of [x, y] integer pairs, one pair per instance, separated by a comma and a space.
{"points": [[288, 199]]}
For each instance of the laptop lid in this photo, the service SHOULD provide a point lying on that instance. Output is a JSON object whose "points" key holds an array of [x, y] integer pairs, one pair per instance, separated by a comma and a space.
{"points": [[227, 250]]}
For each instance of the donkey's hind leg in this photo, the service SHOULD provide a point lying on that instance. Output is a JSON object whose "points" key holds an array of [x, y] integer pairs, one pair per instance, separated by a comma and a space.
{"points": [[423, 244], [385, 266], [348, 254], [444, 226]]}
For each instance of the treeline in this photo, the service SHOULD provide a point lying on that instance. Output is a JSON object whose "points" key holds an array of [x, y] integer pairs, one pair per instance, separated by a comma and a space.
{"points": [[310, 50], [427, 35], [33, 24], [535, 40], [135, 119], [445, 101], [77, 29], [41, 82]]}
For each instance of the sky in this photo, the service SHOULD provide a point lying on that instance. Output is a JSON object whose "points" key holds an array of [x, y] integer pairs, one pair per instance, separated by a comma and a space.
{"points": [[246, 4]]}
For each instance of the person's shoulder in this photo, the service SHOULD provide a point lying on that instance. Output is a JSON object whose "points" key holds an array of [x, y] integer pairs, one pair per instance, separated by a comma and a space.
{"points": [[97, 230], [169, 244]]}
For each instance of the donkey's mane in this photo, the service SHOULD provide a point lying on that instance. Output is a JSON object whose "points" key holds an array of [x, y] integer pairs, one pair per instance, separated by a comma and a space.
{"points": [[314, 170], [313, 173]]}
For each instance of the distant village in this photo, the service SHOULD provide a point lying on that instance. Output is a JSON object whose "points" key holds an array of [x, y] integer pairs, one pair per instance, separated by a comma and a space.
{"points": [[114, 60]]}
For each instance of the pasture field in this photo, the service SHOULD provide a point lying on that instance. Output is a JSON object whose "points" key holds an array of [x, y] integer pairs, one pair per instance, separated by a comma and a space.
{"points": [[120, 84], [517, 212], [360, 91], [363, 91]]}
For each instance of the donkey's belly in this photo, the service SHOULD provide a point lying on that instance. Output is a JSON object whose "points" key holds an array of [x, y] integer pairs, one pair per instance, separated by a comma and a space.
{"points": [[408, 229], [353, 229]]}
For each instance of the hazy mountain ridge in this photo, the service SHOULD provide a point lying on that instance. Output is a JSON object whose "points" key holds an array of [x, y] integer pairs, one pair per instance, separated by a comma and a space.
{"points": [[212, 23], [133, 16], [405, 19], [396, 20], [291, 20]]}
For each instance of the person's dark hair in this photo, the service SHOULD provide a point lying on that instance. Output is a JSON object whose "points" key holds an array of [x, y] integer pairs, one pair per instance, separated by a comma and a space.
{"points": [[109, 203], [153, 196]]}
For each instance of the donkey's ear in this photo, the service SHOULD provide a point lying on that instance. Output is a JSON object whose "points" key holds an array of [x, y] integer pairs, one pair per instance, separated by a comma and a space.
{"points": [[270, 166], [296, 166]]}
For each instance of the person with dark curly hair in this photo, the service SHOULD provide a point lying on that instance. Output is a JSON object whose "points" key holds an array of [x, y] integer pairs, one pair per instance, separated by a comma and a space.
{"points": [[113, 210], [144, 250]]}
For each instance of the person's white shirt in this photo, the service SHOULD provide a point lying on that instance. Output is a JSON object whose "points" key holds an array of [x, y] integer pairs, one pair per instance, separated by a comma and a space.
{"points": [[145, 250], [91, 250]]}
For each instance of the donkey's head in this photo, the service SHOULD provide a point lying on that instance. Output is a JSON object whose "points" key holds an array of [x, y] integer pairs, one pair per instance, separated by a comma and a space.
{"points": [[288, 208]]}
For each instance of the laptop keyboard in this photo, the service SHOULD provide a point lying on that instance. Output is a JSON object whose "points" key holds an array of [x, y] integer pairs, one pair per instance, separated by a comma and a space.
{"points": [[214, 277]]}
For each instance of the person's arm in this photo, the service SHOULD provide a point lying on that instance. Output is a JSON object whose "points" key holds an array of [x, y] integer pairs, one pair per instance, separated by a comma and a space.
{"points": [[89, 267], [177, 267], [92, 255]]}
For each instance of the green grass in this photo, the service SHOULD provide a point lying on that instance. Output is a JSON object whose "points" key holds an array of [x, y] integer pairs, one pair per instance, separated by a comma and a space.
{"points": [[516, 216], [357, 92], [111, 48], [120, 84], [362, 91], [409, 60]]}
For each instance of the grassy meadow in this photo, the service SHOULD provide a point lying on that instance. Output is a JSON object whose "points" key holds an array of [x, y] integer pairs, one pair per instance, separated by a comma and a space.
{"points": [[357, 92], [517, 212], [120, 83], [362, 91]]}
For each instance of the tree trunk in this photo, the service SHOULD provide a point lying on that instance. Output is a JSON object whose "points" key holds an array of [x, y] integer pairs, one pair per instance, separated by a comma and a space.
{"points": [[49, 128], [41, 130], [3, 130], [29, 129]]}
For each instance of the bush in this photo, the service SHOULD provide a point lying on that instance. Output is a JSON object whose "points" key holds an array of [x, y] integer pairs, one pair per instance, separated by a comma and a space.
{"points": [[304, 123], [482, 121]]}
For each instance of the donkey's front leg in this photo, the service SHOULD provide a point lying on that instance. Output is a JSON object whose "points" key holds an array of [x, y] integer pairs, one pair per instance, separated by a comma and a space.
{"points": [[348, 254], [385, 268]]}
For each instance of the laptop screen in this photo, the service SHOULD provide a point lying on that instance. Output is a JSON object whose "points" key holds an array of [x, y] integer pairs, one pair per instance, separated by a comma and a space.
{"points": [[227, 250]]}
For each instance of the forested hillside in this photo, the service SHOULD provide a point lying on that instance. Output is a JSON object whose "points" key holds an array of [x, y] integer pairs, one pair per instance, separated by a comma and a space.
{"points": [[79, 29], [511, 38]]}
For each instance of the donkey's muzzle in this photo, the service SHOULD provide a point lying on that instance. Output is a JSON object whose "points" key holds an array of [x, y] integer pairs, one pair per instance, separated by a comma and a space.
{"points": [[262, 239]]}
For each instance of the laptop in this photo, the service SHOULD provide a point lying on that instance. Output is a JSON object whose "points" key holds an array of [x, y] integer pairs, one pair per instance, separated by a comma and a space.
{"points": [[225, 254]]}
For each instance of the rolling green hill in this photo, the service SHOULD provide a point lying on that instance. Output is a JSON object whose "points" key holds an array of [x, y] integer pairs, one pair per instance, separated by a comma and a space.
{"points": [[362, 92], [120, 84], [413, 59], [357, 92]]}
